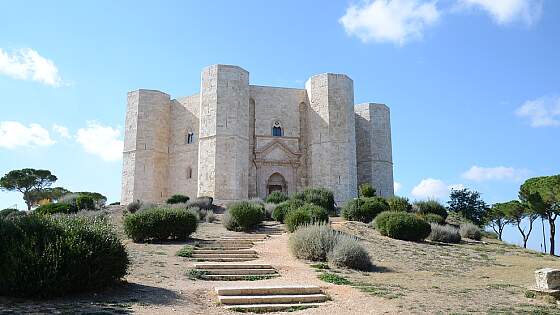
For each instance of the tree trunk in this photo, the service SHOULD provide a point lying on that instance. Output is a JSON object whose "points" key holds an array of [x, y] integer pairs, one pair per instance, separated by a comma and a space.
{"points": [[543, 234], [552, 232]]}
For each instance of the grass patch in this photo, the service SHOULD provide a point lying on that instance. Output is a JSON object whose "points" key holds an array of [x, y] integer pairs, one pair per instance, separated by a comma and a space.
{"points": [[258, 277], [333, 278], [186, 251], [530, 294], [320, 266], [387, 292], [195, 274], [264, 311]]}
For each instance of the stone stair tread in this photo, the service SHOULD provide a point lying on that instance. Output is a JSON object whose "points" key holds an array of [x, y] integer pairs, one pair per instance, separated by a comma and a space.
{"points": [[225, 259], [268, 289], [273, 298], [239, 271], [224, 251], [223, 248], [232, 266], [224, 255], [271, 307], [236, 277]]}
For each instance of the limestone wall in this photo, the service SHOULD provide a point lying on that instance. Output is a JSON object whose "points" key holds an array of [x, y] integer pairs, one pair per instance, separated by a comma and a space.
{"points": [[224, 133], [374, 148], [183, 156], [332, 134], [146, 148]]}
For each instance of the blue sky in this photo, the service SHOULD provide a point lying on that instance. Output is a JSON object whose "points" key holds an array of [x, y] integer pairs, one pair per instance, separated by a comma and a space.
{"points": [[473, 85]]}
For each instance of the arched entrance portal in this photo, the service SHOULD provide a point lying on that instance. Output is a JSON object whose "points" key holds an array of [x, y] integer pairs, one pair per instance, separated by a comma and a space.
{"points": [[276, 182]]}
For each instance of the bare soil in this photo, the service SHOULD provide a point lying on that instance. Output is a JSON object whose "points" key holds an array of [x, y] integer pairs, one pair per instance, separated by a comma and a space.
{"points": [[486, 277]]}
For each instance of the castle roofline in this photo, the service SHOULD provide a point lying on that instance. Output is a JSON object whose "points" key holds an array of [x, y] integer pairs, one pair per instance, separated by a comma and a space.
{"points": [[367, 105], [147, 90], [276, 87], [330, 74], [220, 65]]}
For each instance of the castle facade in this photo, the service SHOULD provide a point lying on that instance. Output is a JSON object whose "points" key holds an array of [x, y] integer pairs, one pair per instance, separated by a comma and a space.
{"points": [[235, 141]]}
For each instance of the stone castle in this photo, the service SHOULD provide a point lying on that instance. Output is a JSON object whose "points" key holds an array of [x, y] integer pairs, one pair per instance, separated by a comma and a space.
{"points": [[235, 141]]}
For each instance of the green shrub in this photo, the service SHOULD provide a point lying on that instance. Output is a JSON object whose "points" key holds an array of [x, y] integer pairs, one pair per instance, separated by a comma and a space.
{"points": [[45, 256], [430, 206], [243, 216], [297, 218], [268, 210], [319, 196], [367, 191], [397, 203], [52, 208], [432, 218], [489, 234], [364, 209], [319, 242], [134, 206], [312, 242], [279, 213], [402, 225], [469, 230], [204, 203], [276, 197], [444, 233], [348, 253], [306, 214], [160, 224], [85, 202], [178, 198], [456, 218], [186, 251], [7, 212]]}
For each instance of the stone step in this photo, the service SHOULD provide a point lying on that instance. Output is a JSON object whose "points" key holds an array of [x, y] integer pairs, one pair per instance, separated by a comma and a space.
{"points": [[232, 266], [245, 237], [263, 308], [222, 255], [269, 290], [238, 277], [224, 251], [213, 247], [225, 259], [272, 299], [239, 271]]}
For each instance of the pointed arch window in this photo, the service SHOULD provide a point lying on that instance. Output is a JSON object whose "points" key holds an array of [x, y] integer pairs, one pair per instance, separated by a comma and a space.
{"points": [[189, 172], [277, 129]]}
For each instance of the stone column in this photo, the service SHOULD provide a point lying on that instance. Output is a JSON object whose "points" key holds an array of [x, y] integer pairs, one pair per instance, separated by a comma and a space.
{"points": [[146, 145], [374, 150], [223, 166], [332, 141]]}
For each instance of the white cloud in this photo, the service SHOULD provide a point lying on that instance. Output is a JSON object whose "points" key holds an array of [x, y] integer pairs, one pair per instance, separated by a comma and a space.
{"points": [[542, 112], [395, 21], [479, 174], [14, 134], [397, 186], [508, 11], [433, 188], [100, 140], [62, 131], [27, 64]]}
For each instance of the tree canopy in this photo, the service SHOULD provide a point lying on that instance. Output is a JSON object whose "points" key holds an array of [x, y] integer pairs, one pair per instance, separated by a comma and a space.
{"points": [[469, 204], [26, 181], [542, 194]]}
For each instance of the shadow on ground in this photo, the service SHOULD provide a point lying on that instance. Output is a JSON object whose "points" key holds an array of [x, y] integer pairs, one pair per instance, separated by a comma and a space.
{"points": [[115, 300]]}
